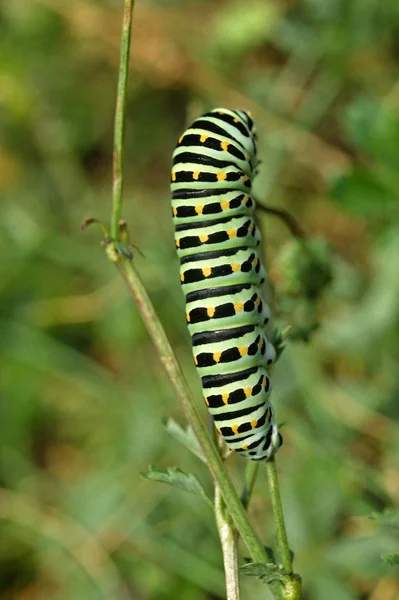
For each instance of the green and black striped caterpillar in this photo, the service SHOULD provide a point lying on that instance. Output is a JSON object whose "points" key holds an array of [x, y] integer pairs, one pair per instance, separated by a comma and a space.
{"points": [[221, 274]]}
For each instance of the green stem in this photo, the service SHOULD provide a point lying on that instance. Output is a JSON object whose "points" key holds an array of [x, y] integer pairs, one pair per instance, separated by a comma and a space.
{"points": [[285, 216], [119, 126], [229, 543], [281, 533], [251, 472]]}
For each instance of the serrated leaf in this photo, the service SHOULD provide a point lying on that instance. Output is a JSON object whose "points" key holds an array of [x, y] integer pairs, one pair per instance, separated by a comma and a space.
{"points": [[268, 573], [391, 559], [184, 436], [389, 518], [179, 479]]}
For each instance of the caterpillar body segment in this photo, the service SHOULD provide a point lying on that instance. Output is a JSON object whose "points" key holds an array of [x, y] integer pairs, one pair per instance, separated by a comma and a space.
{"points": [[221, 274]]}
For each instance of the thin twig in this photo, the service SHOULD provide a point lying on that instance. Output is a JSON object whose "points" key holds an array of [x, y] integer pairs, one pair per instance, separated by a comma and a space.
{"points": [[251, 472], [285, 216], [282, 540], [229, 543], [119, 130]]}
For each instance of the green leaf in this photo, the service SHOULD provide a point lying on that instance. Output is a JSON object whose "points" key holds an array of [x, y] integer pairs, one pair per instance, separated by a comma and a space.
{"points": [[184, 436], [267, 573], [178, 479], [391, 559]]}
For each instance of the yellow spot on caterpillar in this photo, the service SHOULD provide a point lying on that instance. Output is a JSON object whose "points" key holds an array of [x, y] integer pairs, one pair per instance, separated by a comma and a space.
{"points": [[203, 138], [216, 356], [173, 176], [195, 360], [221, 176], [236, 120], [243, 350], [244, 178], [181, 138], [206, 271], [225, 205], [249, 114], [224, 145], [260, 344], [210, 311], [257, 301], [174, 210], [207, 401], [225, 398], [199, 209], [255, 262], [188, 317], [196, 174], [250, 228], [231, 233], [177, 243], [204, 238], [182, 277], [246, 200], [220, 112], [247, 156], [235, 267], [234, 429], [264, 381], [247, 392], [268, 415], [245, 447], [238, 306], [254, 423]]}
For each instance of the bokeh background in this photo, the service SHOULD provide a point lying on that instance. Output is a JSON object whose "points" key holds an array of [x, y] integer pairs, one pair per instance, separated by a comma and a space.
{"points": [[83, 395]]}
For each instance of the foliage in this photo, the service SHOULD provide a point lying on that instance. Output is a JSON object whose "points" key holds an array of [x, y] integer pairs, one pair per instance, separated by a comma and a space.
{"points": [[179, 479]]}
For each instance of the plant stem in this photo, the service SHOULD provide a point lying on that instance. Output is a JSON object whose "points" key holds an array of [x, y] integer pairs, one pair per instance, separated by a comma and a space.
{"points": [[281, 533], [251, 472], [119, 125], [229, 542], [285, 216]]}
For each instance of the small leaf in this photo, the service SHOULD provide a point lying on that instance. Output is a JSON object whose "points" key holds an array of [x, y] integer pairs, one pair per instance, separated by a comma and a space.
{"points": [[267, 573], [391, 559], [184, 436], [178, 479], [277, 340], [124, 250]]}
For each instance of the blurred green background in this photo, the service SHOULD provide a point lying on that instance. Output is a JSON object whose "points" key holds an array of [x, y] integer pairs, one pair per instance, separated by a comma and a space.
{"points": [[82, 393]]}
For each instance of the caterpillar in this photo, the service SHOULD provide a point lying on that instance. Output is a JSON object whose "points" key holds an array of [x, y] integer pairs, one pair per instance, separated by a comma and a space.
{"points": [[221, 274]]}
